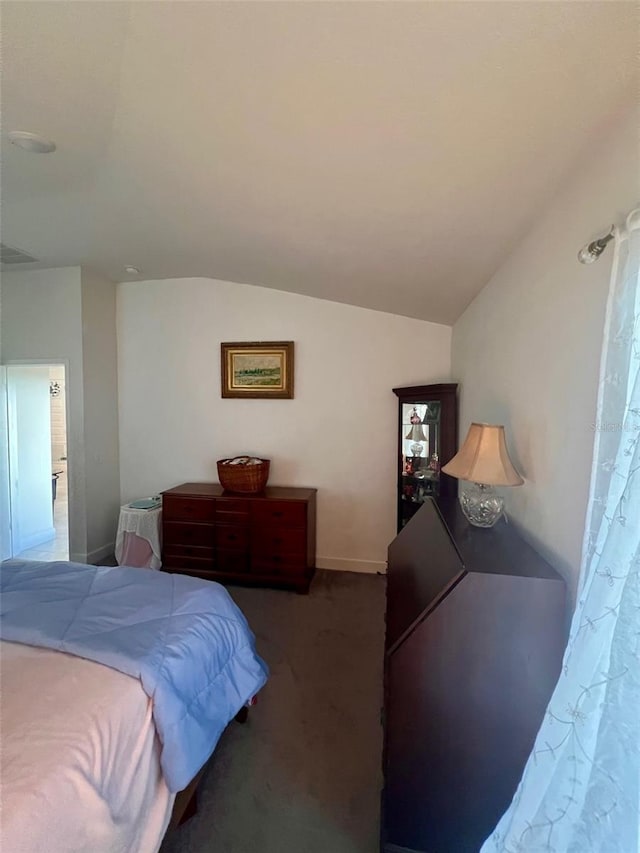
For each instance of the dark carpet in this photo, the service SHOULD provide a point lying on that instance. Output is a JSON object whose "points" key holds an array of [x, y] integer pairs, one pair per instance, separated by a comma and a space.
{"points": [[303, 775]]}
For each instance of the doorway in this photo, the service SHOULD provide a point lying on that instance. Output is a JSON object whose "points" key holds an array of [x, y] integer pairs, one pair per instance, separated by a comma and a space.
{"points": [[37, 461]]}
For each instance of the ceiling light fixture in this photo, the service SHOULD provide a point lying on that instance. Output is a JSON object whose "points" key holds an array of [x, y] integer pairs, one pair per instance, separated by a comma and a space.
{"points": [[132, 270], [32, 142]]}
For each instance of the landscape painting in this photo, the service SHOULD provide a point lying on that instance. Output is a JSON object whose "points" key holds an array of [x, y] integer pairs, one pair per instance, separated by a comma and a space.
{"points": [[257, 369]]}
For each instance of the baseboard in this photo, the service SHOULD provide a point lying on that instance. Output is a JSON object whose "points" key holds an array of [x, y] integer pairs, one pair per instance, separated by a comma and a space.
{"points": [[342, 564], [100, 553], [336, 564], [36, 539]]}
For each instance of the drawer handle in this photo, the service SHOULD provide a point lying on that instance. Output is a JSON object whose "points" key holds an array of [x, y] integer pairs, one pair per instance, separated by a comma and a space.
{"points": [[278, 514]]}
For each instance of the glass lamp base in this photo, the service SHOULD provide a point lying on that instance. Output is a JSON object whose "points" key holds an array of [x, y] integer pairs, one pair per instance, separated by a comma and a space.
{"points": [[481, 505]]}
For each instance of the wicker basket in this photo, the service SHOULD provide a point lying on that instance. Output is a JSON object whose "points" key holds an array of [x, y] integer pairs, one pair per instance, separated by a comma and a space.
{"points": [[245, 479]]}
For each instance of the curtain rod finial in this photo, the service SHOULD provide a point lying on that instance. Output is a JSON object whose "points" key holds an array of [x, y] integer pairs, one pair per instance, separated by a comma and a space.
{"points": [[592, 251]]}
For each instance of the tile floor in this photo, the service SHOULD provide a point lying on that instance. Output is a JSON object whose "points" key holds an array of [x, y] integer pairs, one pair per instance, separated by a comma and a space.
{"points": [[58, 547]]}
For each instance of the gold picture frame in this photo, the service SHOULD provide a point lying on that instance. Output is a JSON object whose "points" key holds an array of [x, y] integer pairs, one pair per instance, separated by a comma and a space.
{"points": [[257, 369]]}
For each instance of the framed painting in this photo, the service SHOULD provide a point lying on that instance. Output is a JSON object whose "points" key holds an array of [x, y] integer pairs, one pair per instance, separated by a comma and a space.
{"points": [[257, 369]]}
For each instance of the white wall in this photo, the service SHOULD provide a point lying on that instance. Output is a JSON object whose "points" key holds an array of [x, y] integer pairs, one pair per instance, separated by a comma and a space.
{"points": [[338, 434], [527, 350], [67, 315], [100, 383], [40, 320]]}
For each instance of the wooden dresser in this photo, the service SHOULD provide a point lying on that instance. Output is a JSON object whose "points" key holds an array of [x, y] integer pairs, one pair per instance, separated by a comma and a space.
{"points": [[475, 637], [267, 539]]}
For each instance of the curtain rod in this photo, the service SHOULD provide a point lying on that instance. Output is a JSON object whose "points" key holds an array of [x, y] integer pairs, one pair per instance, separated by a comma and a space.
{"points": [[592, 251]]}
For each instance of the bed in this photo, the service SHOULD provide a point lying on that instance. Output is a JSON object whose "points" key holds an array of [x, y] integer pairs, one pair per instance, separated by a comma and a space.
{"points": [[97, 740]]}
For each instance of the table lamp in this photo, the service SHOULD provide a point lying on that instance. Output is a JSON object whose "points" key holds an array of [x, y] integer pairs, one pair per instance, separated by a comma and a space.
{"points": [[483, 460]]}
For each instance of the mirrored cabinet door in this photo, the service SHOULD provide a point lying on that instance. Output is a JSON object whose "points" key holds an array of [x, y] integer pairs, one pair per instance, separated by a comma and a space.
{"points": [[427, 440]]}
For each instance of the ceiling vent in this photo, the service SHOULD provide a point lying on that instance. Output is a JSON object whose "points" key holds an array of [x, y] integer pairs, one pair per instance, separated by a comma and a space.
{"points": [[8, 255]]}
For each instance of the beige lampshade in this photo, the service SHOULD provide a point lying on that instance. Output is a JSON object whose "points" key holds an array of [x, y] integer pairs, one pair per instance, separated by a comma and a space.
{"points": [[483, 458]]}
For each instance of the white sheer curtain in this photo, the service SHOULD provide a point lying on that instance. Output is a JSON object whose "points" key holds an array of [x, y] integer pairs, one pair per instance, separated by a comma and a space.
{"points": [[580, 792]]}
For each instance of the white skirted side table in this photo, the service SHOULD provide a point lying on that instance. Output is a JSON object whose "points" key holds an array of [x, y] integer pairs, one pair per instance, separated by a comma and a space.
{"points": [[138, 540]]}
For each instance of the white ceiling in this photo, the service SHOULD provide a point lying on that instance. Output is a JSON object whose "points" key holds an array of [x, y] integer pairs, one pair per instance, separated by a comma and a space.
{"points": [[387, 155]]}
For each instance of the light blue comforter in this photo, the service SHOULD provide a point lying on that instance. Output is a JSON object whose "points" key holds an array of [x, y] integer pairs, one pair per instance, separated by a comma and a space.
{"points": [[184, 638]]}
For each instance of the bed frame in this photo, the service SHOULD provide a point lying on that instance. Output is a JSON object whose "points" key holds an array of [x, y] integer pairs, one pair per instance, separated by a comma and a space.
{"points": [[186, 804]]}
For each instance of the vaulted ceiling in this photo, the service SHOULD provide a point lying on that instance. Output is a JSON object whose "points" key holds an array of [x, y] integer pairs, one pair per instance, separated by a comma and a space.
{"points": [[387, 155]]}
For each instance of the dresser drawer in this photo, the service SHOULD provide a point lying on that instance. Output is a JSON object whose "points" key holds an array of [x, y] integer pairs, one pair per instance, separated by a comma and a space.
{"points": [[234, 537], [280, 513], [177, 552], [232, 561], [279, 540], [277, 564], [179, 562], [180, 533], [176, 508], [232, 509]]}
